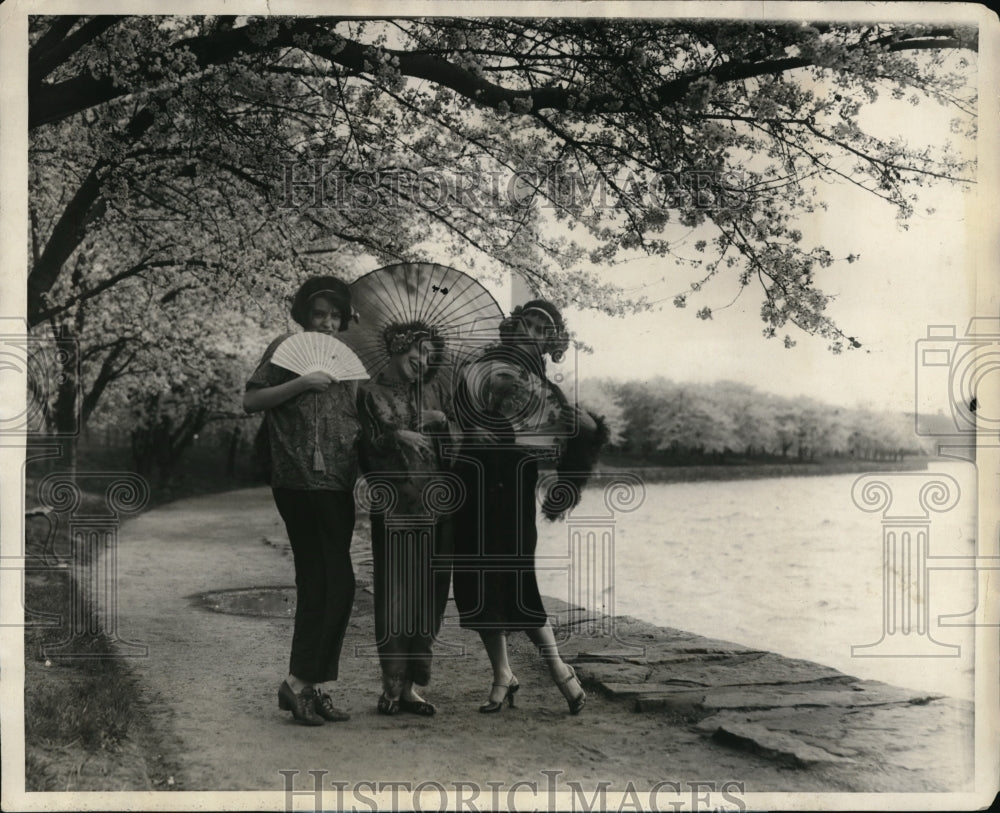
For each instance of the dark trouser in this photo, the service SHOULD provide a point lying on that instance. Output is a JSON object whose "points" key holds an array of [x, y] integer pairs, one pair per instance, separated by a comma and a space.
{"points": [[319, 525], [412, 577]]}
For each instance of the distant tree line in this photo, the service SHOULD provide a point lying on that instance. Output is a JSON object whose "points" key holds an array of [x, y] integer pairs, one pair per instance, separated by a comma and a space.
{"points": [[661, 421], [651, 422]]}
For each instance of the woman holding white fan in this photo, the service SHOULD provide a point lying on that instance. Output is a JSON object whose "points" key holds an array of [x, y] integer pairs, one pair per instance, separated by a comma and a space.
{"points": [[307, 385]]}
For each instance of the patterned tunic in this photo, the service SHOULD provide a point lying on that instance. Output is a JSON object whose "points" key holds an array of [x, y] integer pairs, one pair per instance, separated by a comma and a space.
{"points": [[326, 422], [386, 405], [412, 561]]}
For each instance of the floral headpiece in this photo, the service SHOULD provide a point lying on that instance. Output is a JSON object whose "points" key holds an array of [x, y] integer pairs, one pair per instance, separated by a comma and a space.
{"points": [[399, 338]]}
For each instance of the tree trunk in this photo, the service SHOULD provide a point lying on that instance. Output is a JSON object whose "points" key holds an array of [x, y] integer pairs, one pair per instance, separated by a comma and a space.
{"points": [[66, 410], [234, 447]]}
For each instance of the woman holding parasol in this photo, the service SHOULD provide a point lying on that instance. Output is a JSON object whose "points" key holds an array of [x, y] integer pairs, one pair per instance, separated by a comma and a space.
{"points": [[403, 409], [507, 409], [420, 319]]}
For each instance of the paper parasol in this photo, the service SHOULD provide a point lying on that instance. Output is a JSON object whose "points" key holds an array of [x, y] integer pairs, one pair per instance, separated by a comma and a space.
{"points": [[463, 312]]}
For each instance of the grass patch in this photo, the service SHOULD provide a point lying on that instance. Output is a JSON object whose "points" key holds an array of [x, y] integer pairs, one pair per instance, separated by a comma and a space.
{"points": [[83, 713], [102, 710], [87, 726]]}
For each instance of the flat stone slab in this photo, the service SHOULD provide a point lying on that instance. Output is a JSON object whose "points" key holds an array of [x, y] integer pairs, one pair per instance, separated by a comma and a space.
{"points": [[823, 728], [605, 673], [655, 695], [776, 745], [680, 656], [745, 669], [894, 737], [681, 701], [866, 693], [601, 656], [628, 691], [666, 651], [694, 682]]}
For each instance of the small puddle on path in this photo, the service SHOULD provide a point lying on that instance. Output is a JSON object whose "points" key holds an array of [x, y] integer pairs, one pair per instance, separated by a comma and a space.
{"points": [[267, 602], [263, 602]]}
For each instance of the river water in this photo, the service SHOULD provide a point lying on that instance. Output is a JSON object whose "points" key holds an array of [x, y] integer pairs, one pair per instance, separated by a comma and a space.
{"points": [[791, 565]]}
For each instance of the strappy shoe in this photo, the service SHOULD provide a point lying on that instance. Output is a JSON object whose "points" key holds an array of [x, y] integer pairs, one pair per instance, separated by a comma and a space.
{"points": [[387, 706], [576, 702], [323, 704], [301, 705], [493, 706], [421, 707]]}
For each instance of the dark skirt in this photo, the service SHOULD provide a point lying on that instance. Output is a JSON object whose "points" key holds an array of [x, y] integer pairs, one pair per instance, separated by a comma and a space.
{"points": [[495, 537]]}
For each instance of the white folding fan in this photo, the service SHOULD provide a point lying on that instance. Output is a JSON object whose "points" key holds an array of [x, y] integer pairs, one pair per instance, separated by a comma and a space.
{"points": [[311, 352]]}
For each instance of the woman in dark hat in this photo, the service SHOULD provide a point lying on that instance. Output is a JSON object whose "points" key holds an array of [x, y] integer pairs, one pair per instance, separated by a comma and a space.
{"points": [[313, 472], [499, 398], [403, 413]]}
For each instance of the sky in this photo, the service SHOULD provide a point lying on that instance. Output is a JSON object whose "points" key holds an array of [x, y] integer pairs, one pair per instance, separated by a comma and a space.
{"points": [[904, 282]]}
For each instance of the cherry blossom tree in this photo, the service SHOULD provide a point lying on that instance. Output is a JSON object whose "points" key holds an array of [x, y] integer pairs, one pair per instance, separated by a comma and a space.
{"points": [[680, 122], [663, 421], [232, 156]]}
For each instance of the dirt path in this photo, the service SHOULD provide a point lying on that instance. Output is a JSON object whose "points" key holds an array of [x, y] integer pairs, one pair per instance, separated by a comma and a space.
{"points": [[211, 680]]}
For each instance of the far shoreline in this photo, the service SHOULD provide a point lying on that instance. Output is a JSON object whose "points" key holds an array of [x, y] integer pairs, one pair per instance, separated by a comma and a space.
{"points": [[759, 471]]}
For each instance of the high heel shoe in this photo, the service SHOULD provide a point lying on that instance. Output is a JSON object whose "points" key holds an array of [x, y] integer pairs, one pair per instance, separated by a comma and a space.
{"points": [[492, 706], [301, 705], [576, 702]]}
